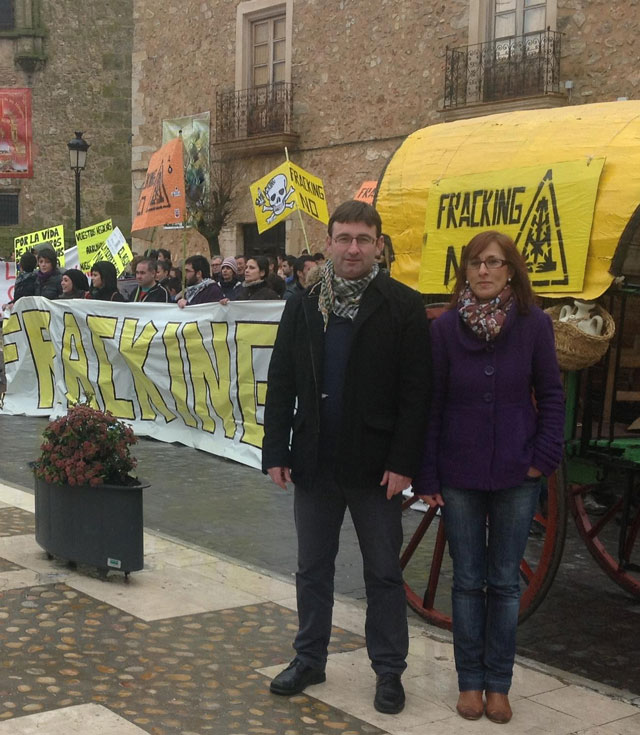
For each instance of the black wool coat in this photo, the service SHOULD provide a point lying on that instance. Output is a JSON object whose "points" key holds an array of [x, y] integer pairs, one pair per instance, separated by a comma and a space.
{"points": [[386, 389]]}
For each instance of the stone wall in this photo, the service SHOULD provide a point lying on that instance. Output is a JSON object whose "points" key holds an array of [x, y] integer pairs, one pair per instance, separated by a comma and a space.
{"points": [[365, 76], [600, 48], [84, 84]]}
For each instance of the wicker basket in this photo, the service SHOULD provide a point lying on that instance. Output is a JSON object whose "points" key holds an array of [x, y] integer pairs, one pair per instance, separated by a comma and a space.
{"points": [[577, 350]]}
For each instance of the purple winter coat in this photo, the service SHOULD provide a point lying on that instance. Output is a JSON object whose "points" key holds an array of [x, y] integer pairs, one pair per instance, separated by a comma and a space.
{"points": [[484, 429], [209, 294]]}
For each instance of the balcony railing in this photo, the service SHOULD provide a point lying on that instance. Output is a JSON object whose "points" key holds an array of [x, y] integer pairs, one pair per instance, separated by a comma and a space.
{"points": [[253, 112], [522, 66]]}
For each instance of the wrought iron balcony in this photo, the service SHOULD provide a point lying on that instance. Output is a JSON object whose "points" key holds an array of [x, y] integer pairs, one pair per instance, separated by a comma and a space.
{"points": [[522, 66], [253, 112]]}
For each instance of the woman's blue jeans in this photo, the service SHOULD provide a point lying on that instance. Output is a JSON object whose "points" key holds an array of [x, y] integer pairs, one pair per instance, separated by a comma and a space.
{"points": [[487, 533]]}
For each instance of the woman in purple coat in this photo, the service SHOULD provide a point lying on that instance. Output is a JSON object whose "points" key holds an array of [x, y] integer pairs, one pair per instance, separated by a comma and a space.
{"points": [[496, 427]]}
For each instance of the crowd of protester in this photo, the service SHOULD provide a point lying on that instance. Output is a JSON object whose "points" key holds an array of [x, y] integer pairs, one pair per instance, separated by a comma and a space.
{"points": [[447, 410], [199, 280]]}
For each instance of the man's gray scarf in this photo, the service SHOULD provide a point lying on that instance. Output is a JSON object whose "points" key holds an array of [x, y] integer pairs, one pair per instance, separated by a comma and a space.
{"points": [[192, 291], [341, 296]]}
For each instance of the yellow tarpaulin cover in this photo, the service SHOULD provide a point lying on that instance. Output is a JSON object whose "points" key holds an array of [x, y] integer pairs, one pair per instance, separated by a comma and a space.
{"points": [[535, 138]]}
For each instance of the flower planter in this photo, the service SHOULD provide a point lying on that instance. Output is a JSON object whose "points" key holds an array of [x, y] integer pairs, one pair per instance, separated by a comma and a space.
{"points": [[98, 526]]}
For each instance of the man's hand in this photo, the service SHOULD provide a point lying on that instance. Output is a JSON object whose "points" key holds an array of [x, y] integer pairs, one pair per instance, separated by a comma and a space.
{"points": [[395, 483], [280, 475], [182, 303]]}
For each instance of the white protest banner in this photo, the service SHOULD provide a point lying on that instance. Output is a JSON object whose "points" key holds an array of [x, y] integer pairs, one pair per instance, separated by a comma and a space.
{"points": [[71, 259], [116, 250], [196, 375], [7, 280]]}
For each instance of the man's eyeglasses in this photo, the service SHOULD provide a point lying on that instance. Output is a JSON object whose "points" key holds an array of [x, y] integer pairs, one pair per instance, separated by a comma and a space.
{"points": [[360, 239], [493, 263]]}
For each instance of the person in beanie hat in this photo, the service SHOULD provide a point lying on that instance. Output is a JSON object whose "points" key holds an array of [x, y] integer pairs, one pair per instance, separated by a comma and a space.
{"points": [[48, 277], [74, 284], [229, 283]]}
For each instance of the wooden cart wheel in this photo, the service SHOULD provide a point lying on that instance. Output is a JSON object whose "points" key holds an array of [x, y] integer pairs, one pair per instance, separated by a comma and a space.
{"points": [[425, 562], [599, 521]]}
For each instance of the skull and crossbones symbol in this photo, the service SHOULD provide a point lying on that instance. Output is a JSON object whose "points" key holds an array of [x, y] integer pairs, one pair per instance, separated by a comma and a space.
{"points": [[275, 196]]}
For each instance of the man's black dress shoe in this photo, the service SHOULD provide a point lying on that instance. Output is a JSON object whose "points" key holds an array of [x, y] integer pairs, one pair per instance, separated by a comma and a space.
{"points": [[295, 678], [389, 694]]}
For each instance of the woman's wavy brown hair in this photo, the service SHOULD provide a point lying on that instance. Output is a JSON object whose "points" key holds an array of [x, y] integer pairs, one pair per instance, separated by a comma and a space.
{"points": [[520, 283]]}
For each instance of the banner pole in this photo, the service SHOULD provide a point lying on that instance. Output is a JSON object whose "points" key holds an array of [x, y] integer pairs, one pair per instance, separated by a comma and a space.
{"points": [[184, 224], [304, 232]]}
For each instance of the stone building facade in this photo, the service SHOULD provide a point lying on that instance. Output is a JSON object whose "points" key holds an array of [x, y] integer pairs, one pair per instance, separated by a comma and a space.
{"points": [[341, 83], [76, 59], [363, 76]]}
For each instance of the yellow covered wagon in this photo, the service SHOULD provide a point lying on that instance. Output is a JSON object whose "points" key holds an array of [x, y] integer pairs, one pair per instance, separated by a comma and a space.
{"points": [[564, 183]]}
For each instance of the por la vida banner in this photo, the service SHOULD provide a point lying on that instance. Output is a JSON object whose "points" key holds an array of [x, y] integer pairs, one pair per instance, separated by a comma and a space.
{"points": [[196, 375]]}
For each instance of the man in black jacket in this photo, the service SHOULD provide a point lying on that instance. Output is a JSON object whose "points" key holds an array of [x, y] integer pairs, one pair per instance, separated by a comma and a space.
{"points": [[352, 353], [148, 289]]}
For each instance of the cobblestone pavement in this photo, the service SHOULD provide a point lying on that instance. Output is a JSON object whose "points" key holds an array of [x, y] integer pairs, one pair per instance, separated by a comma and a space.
{"points": [[192, 672], [587, 625], [187, 646]]}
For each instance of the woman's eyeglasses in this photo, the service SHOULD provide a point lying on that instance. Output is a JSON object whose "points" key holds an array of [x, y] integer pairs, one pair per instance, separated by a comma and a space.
{"points": [[492, 263]]}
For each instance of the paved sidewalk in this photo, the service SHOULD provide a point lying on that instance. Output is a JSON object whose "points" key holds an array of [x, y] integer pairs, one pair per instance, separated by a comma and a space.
{"points": [[188, 646]]}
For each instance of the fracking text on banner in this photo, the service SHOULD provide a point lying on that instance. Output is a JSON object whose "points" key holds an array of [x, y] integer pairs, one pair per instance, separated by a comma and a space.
{"points": [[195, 375], [367, 192], [547, 209], [284, 190]]}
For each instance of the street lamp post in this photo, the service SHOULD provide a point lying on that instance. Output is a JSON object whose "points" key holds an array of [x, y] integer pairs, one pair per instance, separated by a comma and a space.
{"points": [[78, 148]]}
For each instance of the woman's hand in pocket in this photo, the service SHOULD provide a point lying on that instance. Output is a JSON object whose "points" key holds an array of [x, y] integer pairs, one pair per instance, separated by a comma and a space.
{"points": [[433, 501]]}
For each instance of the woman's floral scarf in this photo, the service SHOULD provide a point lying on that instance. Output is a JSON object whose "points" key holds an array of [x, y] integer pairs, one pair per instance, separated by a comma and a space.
{"points": [[485, 319]]}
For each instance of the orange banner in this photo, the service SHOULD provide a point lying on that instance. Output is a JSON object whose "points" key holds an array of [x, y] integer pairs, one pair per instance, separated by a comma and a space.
{"points": [[367, 192], [16, 160], [162, 199]]}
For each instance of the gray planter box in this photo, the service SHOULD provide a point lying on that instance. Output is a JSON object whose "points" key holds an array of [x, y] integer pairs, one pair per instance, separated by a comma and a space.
{"points": [[98, 526]]}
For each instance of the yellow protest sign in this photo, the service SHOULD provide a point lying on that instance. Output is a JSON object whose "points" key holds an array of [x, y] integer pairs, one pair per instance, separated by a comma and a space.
{"points": [[116, 250], [284, 190], [309, 191], [51, 237], [90, 241], [547, 210]]}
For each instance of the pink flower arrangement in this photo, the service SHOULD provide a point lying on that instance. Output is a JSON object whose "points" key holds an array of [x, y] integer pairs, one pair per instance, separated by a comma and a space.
{"points": [[87, 447]]}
